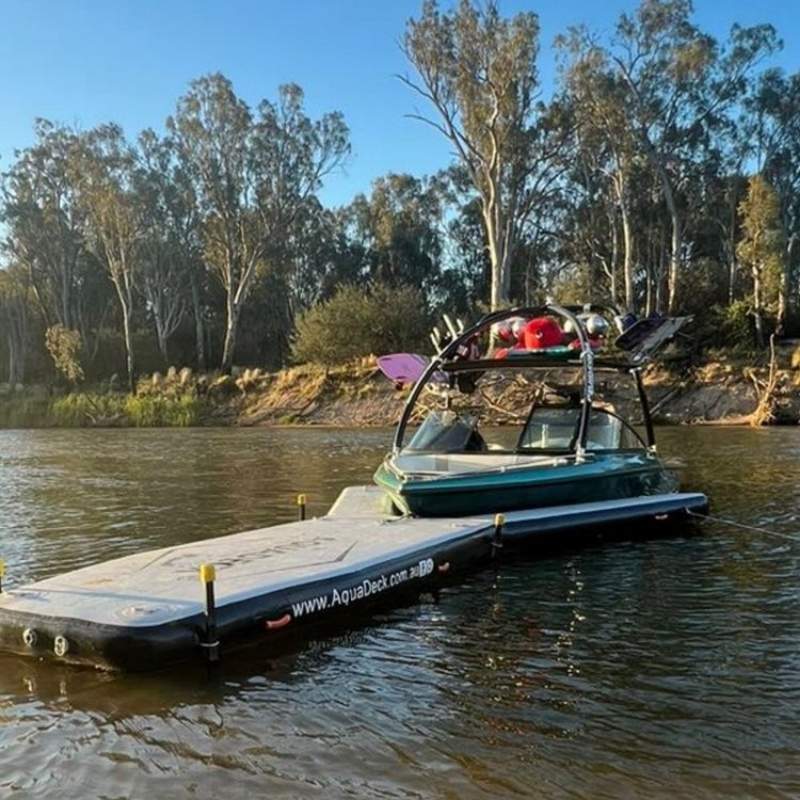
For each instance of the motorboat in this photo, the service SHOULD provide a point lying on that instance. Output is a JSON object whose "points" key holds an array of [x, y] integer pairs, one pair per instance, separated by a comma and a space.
{"points": [[569, 445]]}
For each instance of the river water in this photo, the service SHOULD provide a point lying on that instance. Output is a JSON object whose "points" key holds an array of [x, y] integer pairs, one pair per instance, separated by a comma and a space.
{"points": [[660, 667]]}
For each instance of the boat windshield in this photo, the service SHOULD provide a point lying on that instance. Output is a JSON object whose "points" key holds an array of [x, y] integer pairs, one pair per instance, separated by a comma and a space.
{"points": [[548, 429], [447, 432], [555, 429]]}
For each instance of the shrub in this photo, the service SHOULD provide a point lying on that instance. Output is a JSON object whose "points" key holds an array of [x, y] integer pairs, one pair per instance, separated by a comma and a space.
{"points": [[64, 346], [83, 410], [734, 325], [357, 322], [163, 412]]}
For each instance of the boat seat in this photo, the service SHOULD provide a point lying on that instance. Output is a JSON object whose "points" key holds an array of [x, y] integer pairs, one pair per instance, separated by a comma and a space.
{"points": [[554, 428], [464, 462]]}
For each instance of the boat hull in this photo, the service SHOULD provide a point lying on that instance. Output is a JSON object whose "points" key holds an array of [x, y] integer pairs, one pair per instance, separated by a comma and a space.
{"points": [[601, 477]]}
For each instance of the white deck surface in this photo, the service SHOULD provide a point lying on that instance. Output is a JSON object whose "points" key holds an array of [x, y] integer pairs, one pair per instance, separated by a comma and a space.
{"points": [[163, 585]]}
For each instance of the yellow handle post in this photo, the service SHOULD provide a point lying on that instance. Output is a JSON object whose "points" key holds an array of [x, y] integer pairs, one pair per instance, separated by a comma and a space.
{"points": [[301, 507], [497, 539], [208, 574], [2, 573]]}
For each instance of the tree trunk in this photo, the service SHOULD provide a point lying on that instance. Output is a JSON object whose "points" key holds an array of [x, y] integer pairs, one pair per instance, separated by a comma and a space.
{"points": [[65, 300], [12, 361], [162, 344], [757, 316], [20, 361], [499, 295], [499, 259], [230, 337], [199, 333], [17, 341], [780, 317], [614, 256], [660, 276], [496, 298], [733, 268], [673, 271], [786, 288], [506, 272], [126, 326], [627, 264], [675, 251]]}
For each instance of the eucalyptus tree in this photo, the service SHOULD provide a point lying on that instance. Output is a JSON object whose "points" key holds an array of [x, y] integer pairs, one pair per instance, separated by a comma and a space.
{"points": [[772, 130], [253, 174], [399, 227], [466, 279], [45, 225], [603, 136], [326, 254], [16, 308], [587, 228], [678, 82], [168, 249], [762, 248], [296, 154], [116, 223], [478, 71]]}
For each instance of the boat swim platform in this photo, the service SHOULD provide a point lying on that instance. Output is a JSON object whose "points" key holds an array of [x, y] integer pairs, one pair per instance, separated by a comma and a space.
{"points": [[145, 611]]}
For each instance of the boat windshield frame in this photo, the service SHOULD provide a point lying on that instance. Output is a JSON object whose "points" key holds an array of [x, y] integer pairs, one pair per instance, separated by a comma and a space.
{"points": [[447, 361]]}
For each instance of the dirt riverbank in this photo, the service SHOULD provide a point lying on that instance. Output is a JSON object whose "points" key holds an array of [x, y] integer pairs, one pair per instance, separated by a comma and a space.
{"points": [[724, 389]]}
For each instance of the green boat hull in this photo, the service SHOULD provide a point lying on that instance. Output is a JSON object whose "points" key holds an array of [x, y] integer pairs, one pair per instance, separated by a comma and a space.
{"points": [[610, 476]]}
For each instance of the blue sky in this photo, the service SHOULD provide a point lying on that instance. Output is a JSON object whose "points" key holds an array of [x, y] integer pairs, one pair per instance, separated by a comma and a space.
{"points": [[88, 61]]}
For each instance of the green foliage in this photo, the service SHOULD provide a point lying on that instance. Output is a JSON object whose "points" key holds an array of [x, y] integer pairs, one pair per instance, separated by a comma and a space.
{"points": [[16, 309], [730, 326], [761, 248], [357, 322], [623, 185], [164, 412], [64, 346], [95, 410], [82, 410], [398, 227], [704, 286], [112, 410], [762, 245]]}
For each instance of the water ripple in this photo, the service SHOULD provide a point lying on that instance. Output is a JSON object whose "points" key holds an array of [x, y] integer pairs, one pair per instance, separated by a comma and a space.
{"points": [[657, 668]]}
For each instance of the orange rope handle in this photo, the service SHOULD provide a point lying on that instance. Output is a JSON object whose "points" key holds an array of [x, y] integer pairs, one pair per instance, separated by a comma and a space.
{"points": [[276, 624]]}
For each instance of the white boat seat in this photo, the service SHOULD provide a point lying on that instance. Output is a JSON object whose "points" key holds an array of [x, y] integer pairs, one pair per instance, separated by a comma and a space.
{"points": [[464, 462]]}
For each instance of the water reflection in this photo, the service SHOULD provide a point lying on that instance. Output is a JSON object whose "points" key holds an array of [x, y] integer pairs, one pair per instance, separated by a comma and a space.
{"points": [[662, 667]]}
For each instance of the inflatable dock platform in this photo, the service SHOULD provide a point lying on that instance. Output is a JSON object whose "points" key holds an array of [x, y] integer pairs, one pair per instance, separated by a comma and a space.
{"points": [[145, 611]]}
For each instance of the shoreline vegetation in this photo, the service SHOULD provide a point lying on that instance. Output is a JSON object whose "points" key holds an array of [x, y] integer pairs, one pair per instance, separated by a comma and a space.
{"points": [[659, 174], [725, 388]]}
